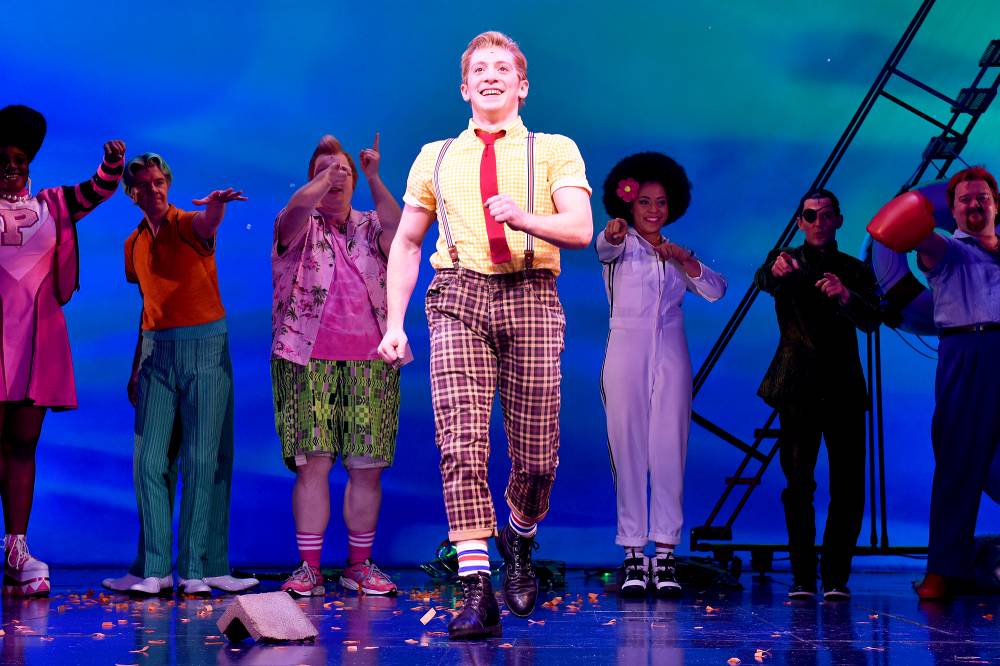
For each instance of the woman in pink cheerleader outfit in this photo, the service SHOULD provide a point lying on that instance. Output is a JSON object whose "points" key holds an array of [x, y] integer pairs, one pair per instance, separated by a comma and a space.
{"points": [[38, 274]]}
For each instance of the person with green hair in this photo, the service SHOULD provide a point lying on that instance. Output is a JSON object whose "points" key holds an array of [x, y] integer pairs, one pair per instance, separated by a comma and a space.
{"points": [[182, 388]]}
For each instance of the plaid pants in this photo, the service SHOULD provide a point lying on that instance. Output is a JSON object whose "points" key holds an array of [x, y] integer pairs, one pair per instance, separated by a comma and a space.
{"points": [[492, 332]]}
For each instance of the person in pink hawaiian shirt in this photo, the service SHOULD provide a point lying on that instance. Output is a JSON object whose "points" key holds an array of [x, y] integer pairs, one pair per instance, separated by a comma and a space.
{"points": [[333, 395], [39, 271]]}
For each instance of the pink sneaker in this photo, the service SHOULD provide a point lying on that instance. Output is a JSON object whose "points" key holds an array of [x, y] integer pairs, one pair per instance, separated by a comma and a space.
{"points": [[306, 581], [23, 575], [366, 578]]}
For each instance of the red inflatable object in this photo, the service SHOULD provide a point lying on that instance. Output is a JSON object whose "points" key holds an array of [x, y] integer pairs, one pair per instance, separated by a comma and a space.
{"points": [[903, 223]]}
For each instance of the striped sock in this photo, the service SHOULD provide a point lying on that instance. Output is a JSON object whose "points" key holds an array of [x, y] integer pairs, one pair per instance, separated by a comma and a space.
{"points": [[527, 530], [632, 552], [310, 544], [473, 556], [663, 551], [359, 546]]}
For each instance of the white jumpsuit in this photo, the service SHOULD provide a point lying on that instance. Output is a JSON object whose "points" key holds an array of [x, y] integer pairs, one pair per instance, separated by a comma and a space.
{"points": [[646, 385]]}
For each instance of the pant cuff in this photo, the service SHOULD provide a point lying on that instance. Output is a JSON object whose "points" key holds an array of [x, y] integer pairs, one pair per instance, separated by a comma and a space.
{"points": [[463, 535], [631, 542], [666, 537], [525, 515]]}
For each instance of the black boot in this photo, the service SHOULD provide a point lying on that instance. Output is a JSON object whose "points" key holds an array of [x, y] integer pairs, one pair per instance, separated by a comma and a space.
{"points": [[520, 585], [480, 616]]}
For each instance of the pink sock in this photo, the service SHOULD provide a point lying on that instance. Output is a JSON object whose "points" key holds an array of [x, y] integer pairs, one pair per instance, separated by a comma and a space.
{"points": [[359, 546], [310, 544]]}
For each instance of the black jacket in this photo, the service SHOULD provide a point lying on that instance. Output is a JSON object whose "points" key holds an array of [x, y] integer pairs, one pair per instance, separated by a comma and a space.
{"points": [[817, 357]]}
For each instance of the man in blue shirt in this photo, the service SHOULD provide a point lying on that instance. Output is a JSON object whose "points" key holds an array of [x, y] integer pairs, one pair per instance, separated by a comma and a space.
{"points": [[964, 275]]}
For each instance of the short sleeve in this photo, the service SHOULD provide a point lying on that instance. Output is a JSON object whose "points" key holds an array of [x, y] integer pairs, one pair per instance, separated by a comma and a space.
{"points": [[185, 229], [952, 255], [130, 275], [565, 164], [420, 182]]}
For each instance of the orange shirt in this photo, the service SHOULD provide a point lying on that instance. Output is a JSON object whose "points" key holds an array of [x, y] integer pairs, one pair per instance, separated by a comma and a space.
{"points": [[175, 271]]}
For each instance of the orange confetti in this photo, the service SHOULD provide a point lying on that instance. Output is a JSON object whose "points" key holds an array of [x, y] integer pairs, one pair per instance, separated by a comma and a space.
{"points": [[988, 616], [428, 616], [144, 650], [47, 639], [98, 636], [610, 622], [410, 641], [734, 661], [107, 625], [709, 609], [592, 597], [157, 641], [538, 622], [505, 645], [349, 642]]}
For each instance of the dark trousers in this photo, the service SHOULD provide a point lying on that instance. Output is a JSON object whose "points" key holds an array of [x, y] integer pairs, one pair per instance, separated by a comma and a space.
{"points": [[843, 429], [965, 433]]}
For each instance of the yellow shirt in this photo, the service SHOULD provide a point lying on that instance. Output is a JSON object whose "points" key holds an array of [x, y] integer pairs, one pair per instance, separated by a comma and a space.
{"points": [[557, 164]]}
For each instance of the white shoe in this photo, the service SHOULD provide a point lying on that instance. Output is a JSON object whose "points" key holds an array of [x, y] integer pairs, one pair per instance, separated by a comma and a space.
{"points": [[153, 585], [230, 583], [194, 586], [24, 576], [121, 584]]}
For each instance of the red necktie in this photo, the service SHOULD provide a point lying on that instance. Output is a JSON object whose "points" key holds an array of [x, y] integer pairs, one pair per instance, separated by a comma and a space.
{"points": [[499, 251]]}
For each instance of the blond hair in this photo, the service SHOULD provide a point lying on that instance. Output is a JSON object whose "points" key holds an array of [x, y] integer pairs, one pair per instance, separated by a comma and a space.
{"points": [[494, 39]]}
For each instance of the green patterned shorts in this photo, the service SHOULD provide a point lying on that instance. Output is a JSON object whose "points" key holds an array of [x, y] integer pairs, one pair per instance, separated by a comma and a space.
{"points": [[345, 408]]}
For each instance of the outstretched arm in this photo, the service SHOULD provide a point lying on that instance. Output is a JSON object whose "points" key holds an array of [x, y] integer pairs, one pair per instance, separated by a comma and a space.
{"points": [[207, 222]]}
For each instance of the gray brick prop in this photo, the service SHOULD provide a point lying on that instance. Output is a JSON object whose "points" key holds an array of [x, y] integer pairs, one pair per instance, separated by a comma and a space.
{"points": [[268, 617]]}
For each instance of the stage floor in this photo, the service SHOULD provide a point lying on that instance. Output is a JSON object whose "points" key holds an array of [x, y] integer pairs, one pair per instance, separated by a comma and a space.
{"points": [[882, 624]]}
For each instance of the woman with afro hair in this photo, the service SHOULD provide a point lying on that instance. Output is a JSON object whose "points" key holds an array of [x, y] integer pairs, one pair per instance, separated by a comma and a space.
{"points": [[646, 378], [38, 258]]}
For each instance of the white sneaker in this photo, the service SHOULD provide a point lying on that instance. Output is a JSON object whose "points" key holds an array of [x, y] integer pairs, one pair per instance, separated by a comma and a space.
{"points": [[121, 584], [153, 585], [636, 576], [230, 583], [23, 576], [194, 586]]}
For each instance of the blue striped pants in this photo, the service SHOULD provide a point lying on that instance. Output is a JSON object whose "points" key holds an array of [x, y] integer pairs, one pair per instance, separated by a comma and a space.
{"points": [[184, 414]]}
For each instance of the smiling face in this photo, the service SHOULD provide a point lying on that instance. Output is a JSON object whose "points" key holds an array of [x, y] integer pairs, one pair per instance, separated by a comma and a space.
{"points": [[149, 191], [493, 87], [13, 170], [975, 208], [650, 209]]}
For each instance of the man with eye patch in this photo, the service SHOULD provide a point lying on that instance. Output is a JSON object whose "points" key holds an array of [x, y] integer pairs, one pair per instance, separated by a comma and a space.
{"points": [[816, 383]]}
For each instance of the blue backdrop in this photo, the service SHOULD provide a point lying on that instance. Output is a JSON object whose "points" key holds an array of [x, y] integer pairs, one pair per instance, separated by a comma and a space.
{"points": [[750, 97]]}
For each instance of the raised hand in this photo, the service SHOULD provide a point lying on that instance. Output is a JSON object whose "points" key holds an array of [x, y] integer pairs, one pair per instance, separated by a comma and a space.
{"points": [[784, 265], [220, 197], [831, 285], [114, 151], [504, 209], [615, 232], [370, 158]]}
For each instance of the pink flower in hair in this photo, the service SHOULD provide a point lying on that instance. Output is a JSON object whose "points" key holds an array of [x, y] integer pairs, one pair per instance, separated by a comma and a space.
{"points": [[628, 189]]}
